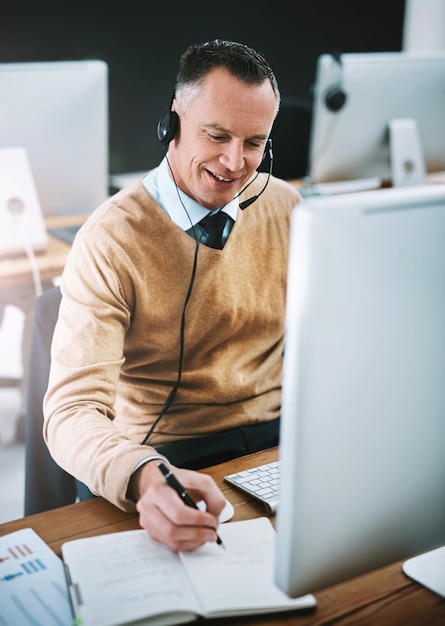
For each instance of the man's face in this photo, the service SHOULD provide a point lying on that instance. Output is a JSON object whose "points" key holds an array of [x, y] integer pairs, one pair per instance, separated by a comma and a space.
{"points": [[221, 138]]}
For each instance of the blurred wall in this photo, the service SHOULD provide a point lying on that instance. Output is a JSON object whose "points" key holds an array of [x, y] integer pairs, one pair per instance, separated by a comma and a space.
{"points": [[424, 26], [142, 42]]}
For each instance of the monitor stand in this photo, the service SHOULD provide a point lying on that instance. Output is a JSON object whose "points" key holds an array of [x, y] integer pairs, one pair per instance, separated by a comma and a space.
{"points": [[407, 162]]}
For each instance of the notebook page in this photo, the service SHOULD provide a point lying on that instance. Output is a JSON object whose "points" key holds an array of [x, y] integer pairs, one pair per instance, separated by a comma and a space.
{"points": [[239, 578], [127, 576]]}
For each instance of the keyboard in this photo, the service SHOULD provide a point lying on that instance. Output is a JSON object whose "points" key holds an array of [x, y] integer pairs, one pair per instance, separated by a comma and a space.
{"points": [[261, 482]]}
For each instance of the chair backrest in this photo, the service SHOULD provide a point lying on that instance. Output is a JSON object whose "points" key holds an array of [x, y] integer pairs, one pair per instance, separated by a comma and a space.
{"points": [[47, 485]]}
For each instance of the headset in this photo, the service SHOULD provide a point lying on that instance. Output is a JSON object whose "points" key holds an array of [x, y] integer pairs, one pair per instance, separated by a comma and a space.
{"points": [[335, 97], [268, 150], [168, 127]]}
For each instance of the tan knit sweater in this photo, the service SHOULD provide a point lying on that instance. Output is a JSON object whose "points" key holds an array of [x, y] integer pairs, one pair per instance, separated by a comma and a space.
{"points": [[116, 344]]}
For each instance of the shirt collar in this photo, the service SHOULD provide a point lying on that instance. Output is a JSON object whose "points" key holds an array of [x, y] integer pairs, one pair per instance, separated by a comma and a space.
{"points": [[160, 184]]}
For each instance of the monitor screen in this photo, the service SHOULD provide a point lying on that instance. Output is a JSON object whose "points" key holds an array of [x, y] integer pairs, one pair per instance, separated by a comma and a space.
{"points": [[378, 115], [58, 112], [362, 441]]}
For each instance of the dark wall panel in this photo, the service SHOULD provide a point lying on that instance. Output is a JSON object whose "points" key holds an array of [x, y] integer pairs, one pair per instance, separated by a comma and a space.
{"points": [[142, 41]]}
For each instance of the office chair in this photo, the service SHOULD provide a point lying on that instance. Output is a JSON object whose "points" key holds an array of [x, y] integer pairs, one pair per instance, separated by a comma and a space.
{"points": [[47, 485]]}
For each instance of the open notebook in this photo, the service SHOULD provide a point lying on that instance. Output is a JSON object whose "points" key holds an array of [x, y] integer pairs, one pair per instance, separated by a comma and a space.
{"points": [[128, 578]]}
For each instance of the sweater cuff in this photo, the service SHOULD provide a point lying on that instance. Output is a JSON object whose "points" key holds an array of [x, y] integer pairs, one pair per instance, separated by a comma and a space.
{"points": [[147, 459]]}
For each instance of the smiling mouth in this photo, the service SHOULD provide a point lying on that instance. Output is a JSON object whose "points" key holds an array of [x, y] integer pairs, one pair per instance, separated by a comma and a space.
{"points": [[221, 178]]}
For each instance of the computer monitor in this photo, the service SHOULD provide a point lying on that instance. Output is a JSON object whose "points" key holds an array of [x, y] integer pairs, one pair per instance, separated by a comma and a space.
{"points": [[378, 116], [362, 441], [58, 112]]}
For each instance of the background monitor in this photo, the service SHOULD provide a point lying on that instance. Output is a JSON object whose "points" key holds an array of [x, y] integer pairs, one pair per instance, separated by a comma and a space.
{"points": [[378, 115], [58, 112], [362, 441]]}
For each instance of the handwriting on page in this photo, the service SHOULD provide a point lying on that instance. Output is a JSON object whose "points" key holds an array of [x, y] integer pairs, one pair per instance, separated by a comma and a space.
{"points": [[131, 575], [238, 576]]}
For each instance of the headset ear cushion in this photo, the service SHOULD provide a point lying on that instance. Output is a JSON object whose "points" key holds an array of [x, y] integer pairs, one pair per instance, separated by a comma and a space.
{"points": [[335, 99], [167, 127]]}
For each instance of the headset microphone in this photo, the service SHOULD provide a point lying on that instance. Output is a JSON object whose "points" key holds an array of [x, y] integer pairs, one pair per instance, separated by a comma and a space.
{"points": [[249, 201]]}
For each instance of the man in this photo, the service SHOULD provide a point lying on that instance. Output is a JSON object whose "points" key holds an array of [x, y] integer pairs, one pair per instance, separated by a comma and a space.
{"points": [[169, 346]]}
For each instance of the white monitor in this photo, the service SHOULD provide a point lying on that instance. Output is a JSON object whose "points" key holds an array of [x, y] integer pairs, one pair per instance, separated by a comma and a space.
{"points": [[58, 112], [362, 441], [391, 126]]}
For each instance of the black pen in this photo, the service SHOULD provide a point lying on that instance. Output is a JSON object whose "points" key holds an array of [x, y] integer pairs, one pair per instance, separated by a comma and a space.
{"points": [[182, 492]]}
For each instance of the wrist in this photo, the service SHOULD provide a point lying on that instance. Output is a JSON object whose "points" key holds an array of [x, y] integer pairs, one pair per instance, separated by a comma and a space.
{"points": [[140, 475]]}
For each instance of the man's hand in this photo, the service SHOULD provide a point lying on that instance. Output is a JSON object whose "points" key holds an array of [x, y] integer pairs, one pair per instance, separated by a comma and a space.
{"points": [[163, 514]]}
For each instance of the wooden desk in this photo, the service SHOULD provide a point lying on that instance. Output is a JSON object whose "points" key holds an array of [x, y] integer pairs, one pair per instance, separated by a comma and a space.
{"points": [[383, 597], [15, 270]]}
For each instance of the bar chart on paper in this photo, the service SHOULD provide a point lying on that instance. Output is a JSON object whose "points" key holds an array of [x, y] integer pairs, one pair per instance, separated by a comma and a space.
{"points": [[33, 588]]}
